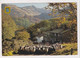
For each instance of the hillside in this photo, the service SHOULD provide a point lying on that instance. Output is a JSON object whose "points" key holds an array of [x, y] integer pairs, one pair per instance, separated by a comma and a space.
{"points": [[32, 13], [28, 13], [28, 10]]}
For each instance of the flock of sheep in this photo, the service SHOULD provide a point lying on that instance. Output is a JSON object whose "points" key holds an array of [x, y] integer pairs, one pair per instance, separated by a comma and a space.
{"points": [[39, 49]]}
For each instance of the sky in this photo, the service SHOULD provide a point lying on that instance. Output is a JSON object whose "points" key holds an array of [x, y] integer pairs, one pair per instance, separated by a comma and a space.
{"points": [[38, 5]]}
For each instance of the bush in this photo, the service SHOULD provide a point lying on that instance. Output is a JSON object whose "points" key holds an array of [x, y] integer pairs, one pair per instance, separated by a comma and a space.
{"points": [[10, 53], [23, 35]]}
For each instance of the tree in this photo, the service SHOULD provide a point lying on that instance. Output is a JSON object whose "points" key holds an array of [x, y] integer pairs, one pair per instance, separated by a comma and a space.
{"points": [[23, 35], [22, 22], [8, 26], [68, 8], [65, 8]]}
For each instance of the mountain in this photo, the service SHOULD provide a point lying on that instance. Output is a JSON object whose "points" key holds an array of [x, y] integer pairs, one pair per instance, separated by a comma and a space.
{"points": [[28, 10], [43, 16], [29, 14], [15, 11], [33, 11]]}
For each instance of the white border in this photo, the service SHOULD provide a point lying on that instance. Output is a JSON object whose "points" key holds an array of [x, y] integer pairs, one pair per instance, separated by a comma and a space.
{"points": [[41, 1], [33, 1]]}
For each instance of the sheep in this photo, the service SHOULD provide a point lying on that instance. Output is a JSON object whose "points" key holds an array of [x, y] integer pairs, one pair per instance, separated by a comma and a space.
{"points": [[62, 46], [22, 48], [40, 49], [27, 50], [37, 50], [46, 50], [57, 46], [32, 49], [50, 49]]}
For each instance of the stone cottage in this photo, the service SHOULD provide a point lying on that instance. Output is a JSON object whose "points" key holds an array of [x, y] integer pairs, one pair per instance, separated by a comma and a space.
{"points": [[51, 36]]}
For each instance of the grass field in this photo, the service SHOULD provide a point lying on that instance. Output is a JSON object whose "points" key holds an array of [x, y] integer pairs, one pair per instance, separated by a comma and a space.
{"points": [[67, 49]]}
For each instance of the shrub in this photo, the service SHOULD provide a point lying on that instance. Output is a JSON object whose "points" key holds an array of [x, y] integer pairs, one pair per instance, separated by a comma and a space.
{"points": [[23, 35], [10, 53]]}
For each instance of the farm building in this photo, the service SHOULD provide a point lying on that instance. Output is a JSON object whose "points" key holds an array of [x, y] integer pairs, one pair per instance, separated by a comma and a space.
{"points": [[52, 36]]}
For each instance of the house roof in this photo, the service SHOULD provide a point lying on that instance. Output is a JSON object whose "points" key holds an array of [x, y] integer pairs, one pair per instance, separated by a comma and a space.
{"points": [[59, 31], [56, 31]]}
